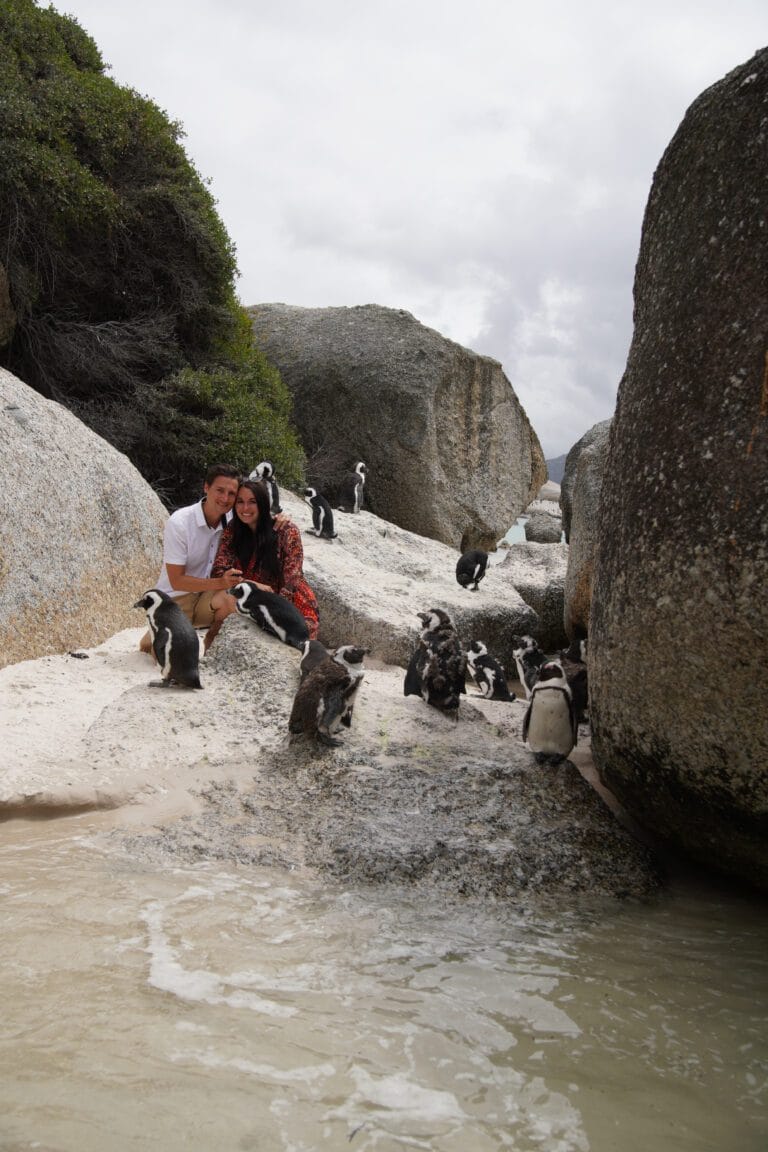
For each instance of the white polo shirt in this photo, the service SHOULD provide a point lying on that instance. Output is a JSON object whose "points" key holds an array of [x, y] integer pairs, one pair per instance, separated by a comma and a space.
{"points": [[189, 540]]}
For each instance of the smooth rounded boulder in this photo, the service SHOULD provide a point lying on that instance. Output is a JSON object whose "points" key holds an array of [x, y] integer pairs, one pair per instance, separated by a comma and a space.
{"points": [[679, 617]]}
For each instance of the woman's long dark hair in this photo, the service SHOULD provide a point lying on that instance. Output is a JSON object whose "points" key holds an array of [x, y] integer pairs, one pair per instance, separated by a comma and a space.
{"points": [[263, 542]]}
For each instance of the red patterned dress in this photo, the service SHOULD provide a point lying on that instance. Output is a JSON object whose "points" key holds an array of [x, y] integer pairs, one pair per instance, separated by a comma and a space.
{"points": [[290, 558]]}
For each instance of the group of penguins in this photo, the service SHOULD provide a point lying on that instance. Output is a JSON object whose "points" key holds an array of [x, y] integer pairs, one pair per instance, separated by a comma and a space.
{"points": [[330, 679]]}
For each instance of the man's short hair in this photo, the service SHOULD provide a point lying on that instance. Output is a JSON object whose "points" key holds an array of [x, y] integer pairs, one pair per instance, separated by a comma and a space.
{"points": [[217, 470]]}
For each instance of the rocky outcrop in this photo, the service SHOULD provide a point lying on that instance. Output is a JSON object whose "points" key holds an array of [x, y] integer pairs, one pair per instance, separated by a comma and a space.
{"points": [[374, 577], [680, 600], [450, 452], [542, 528], [585, 531], [537, 573], [598, 432], [412, 797], [80, 530]]}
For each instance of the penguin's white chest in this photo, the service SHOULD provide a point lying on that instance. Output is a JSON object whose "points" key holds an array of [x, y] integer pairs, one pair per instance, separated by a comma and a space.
{"points": [[549, 727]]}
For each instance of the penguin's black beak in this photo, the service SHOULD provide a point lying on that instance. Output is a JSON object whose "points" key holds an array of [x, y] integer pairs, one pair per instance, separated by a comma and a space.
{"points": [[138, 604]]}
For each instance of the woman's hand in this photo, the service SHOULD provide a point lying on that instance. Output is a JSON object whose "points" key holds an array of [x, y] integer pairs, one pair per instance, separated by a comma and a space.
{"points": [[281, 519]]}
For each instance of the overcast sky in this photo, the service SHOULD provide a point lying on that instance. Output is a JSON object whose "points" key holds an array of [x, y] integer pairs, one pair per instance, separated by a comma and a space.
{"points": [[484, 165]]}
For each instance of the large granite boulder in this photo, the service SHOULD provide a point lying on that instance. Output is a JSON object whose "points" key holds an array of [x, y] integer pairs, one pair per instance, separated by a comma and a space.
{"points": [[80, 530], [596, 432], [585, 531], [680, 600], [450, 451]]}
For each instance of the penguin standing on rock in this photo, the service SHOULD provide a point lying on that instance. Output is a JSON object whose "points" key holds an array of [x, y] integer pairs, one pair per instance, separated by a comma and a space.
{"points": [[326, 696], [266, 473], [322, 515], [438, 668], [313, 653], [550, 725], [351, 490], [471, 567], [272, 612], [487, 673], [174, 641], [528, 660]]}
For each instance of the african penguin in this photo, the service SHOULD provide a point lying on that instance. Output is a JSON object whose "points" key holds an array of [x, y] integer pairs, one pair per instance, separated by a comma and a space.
{"points": [[550, 726], [528, 660], [326, 695], [351, 490], [487, 673], [266, 473], [174, 641], [471, 567], [322, 514], [313, 654], [438, 667], [272, 612], [574, 663]]}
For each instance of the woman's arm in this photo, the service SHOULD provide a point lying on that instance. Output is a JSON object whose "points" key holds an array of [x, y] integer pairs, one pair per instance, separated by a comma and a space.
{"points": [[291, 556]]}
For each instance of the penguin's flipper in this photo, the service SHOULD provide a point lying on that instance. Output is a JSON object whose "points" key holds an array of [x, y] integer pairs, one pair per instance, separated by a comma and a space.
{"points": [[414, 675], [526, 723]]}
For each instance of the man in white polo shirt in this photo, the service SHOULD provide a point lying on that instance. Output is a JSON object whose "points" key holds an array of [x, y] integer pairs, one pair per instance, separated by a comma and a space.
{"points": [[190, 542]]}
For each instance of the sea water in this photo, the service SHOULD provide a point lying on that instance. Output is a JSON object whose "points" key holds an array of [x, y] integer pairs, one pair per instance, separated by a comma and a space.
{"points": [[158, 1005]]}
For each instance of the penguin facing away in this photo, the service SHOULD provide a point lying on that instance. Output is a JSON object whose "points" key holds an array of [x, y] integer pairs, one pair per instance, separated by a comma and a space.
{"points": [[265, 472], [326, 696], [550, 725], [174, 641], [438, 667], [322, 515], [313, 654], [351, 489], [487, 673], [272, 612], [574, 663], [528, 658], [471, 567]]}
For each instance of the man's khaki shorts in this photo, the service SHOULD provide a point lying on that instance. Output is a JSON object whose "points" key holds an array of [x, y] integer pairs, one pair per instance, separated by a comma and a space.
{"points": [[196, 606]]}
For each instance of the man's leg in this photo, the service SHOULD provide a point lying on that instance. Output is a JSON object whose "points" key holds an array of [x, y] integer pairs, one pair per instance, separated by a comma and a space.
{"points": [[221, 605]]}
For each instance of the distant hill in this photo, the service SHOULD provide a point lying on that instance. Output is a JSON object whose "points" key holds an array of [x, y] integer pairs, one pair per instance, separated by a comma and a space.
{"points": [[556, 467]]}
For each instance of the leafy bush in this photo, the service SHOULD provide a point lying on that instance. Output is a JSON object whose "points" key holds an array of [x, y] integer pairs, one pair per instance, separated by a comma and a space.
{"points": [[121, 273]]}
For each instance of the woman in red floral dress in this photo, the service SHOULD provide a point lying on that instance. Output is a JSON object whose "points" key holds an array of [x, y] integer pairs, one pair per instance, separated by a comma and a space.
{"points": [[266, 551]]}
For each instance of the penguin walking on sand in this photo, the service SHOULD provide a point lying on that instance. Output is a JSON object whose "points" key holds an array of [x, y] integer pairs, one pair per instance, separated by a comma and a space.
{"points": [[438, 668], [272, 612], [266, 473], [351, 490], [174, 641], [471, 567], [550, 725], [487, 673], [528, 658], [322, 515], [326, 696]]}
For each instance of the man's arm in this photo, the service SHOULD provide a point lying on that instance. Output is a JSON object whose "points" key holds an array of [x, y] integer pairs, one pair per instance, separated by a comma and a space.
{"points": [[180, 582]]}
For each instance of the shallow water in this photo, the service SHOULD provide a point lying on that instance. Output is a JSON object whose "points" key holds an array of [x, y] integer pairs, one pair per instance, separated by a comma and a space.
{"points": [[149, 1006]]}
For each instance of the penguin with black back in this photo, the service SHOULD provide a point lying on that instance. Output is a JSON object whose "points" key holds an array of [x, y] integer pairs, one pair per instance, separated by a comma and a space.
{"points": [[174, 641], [313, 653], [266, 473], [528, 658], [322, 515], [272, 612], [470, 569], [574, 663], [351, 488], [487, 673], [326, 695], [550, 725], [438, 668]]}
